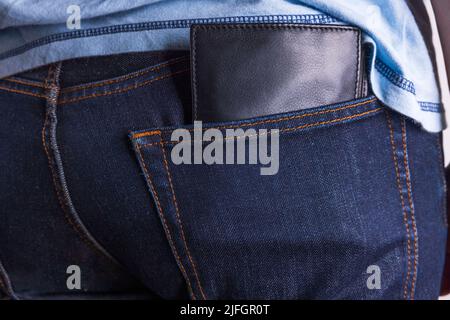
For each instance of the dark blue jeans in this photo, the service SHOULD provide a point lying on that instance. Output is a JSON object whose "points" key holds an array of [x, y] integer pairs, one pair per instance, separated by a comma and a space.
{"points": [[87, 180]]}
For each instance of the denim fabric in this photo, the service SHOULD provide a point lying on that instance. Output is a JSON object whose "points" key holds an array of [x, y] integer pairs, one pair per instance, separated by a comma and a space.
{"points": [[40, 236], [34, 34], [87, 179], [341, 201]]}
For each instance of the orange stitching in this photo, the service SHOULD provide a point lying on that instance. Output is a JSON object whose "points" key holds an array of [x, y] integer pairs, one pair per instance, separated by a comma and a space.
{"points": [[25, 82], [148, 133], [151, 144], [23, 92], [166, 228], [405, 218], [288, 118], [309, 125], [332, 121], [283, 119], [176, 203], [413, 219], [292, 117], [124, 78], [135, 86], [300, 116], [179, 221]]}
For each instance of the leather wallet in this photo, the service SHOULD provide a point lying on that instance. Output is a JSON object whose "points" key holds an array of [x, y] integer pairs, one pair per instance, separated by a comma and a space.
{"points": [[242, 71]]}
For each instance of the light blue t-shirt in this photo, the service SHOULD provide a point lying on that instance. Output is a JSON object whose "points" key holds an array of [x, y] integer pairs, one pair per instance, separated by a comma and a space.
{"points": [[35, 33]]}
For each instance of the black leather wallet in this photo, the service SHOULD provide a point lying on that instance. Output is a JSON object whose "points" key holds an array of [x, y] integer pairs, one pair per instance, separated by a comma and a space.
{"points": [[242, 71]]}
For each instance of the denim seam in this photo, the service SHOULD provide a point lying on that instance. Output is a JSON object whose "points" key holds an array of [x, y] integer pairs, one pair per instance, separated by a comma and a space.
{"points": [[305, 126], [48, 136], [5, 284], [125, 77], [28, 93], [321, 123], [2, 286], [444, 180], [93, 85], [406, 85], [394, 77], [25, 82], [164, 221], [180, 224], [411, 207], [390, 74], [300, 116], [402, 201], [167, 24], [121, 90], [194, 71], [275, 26], [255, 123]]}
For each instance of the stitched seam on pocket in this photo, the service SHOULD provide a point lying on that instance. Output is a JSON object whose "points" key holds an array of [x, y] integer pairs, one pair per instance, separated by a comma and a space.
{"points": [[293, 117], [146, 134], [121, 90], [164, 221], [402, 200], [305, 126], [177, 211], [411, 206], [248, 124], [358, 115]]}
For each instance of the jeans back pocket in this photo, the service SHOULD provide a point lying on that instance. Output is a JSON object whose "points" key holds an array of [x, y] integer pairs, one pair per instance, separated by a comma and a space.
{"points": [[330, 215]]}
